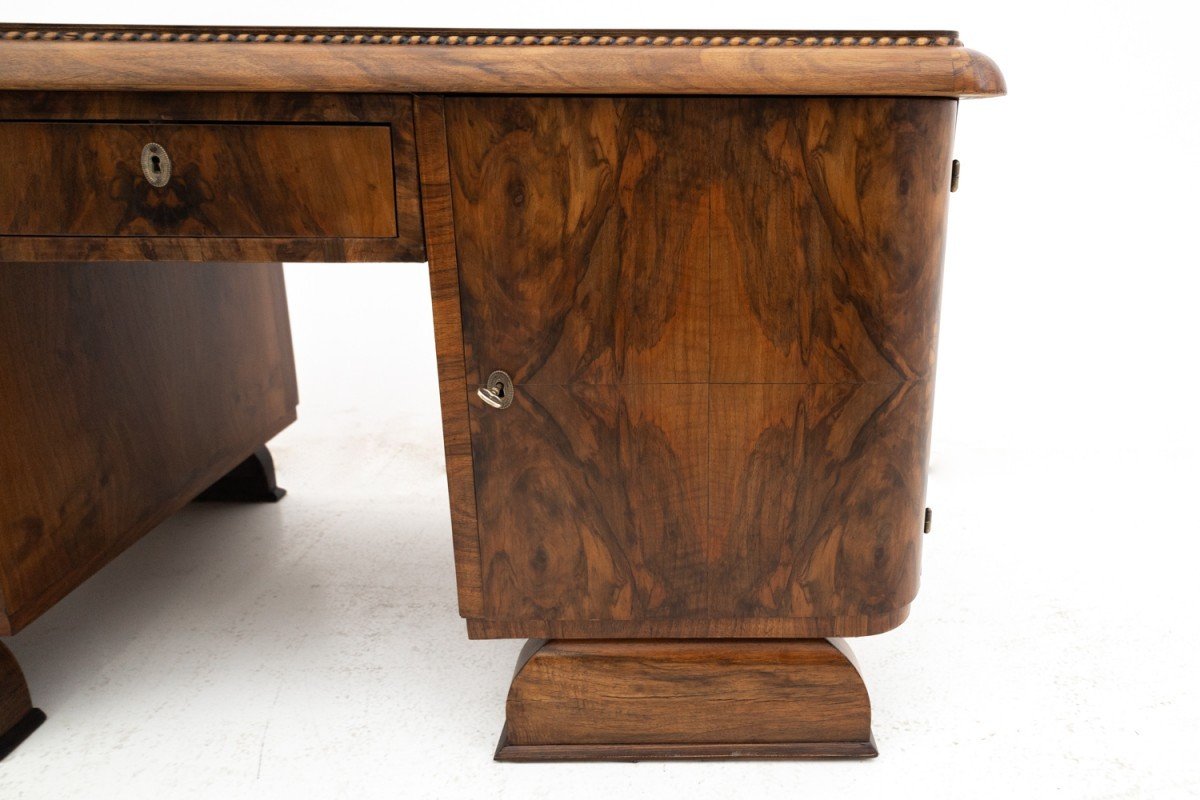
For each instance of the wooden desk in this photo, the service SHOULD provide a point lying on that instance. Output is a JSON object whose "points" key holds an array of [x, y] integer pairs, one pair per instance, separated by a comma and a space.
{"points": [[685, 290]]}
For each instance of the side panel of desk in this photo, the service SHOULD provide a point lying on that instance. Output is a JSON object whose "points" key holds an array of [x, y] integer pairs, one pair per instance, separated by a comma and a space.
{"points": [[128, 389], [719, 316]]}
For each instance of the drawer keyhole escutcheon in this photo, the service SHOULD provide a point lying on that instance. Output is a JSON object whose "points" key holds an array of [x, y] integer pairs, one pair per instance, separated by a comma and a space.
{"points": [[498, 391], [156, 165]]}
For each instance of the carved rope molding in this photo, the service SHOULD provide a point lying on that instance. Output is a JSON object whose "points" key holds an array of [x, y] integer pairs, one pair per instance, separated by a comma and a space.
{"points": [[496, 39]]}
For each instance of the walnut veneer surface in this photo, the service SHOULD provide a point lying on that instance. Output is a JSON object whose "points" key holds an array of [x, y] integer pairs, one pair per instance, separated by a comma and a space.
{"points": [[85, 179], [708, 262], [256, 177], [128, 389], [930, 63], [719, 316]]}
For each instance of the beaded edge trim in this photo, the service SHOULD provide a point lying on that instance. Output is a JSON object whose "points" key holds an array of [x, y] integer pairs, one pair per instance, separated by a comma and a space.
{"points": [[498, 39]]}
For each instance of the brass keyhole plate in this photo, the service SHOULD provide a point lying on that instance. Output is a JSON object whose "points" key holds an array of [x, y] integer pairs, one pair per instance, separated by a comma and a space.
{"points": [[156, 165], [498, 391]]}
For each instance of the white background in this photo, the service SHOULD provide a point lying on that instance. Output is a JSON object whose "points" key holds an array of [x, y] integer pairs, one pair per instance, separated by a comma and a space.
{"points": [[313, 649]]}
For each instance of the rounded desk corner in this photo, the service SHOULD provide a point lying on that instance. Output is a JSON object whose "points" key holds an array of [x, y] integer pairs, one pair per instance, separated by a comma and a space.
{"points": [[882, 623], [980, 76]]}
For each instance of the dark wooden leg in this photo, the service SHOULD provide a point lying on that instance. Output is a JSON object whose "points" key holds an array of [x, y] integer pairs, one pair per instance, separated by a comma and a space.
{"points": [[252, 481], [18, 717], [633, 699]]}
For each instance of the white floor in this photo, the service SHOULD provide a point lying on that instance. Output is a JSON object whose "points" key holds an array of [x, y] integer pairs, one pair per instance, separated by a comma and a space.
{"points": [[313, 648]]}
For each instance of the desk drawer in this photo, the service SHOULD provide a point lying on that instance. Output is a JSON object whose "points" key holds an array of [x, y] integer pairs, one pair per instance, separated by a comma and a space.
{"points": [[225, 180]]}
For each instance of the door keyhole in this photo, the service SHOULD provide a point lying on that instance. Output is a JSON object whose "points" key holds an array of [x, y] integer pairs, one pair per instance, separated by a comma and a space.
{"points": [[156, 165], [495, 391]]}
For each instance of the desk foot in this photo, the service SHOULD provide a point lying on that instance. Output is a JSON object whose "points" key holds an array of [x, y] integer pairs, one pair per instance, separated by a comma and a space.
{"points": [[18, 717], [644, 699], [252, 481]]}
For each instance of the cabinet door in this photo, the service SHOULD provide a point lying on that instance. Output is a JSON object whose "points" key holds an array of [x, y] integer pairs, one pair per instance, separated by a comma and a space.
{"points": [[719, 318], [581, 231]]}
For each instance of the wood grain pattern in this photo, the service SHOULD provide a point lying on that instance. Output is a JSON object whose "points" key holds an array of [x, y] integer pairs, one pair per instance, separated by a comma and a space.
{"points": [[828, 226], [85, 179], [698, 627], [559, 208], [629, 699], [128, 389], [581, 231], [537, 62], [448, 338], [817, 498], [205, 250], [683, 752], [592, 502], [720, 316], [395, 111], [307, 107]]}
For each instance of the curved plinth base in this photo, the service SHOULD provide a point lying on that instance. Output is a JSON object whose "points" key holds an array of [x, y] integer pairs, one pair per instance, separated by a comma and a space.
{"points": [[630, 699], [252, 481], [18, 717]]}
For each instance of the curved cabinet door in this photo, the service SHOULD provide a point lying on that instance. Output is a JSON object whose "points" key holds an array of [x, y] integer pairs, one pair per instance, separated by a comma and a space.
{"points": [[719, 318]]}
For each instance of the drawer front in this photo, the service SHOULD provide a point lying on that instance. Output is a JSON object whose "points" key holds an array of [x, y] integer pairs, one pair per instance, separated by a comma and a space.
{"points": [[226, 180]]}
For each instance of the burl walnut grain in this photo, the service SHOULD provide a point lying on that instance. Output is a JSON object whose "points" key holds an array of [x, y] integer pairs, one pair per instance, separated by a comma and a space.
{"points": [[128, 389], [256, 177], [720, 317]]}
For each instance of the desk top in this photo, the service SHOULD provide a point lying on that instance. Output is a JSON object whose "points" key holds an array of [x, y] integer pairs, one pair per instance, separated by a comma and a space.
{"points": [[905, 63]]}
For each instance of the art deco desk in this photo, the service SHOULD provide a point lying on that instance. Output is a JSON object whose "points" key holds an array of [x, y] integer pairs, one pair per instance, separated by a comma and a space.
{"points": [[685, 290]]}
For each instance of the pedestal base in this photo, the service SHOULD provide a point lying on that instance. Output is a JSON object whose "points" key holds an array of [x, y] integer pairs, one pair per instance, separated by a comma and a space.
{"points": [[18, 717], [252, 481], [628, 700]]}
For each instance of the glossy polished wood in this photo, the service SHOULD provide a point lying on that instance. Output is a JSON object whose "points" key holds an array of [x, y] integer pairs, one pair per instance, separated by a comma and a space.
{"points": [[582, 237], [205, 251], [698, 698], [701, 627], [241, 191], [128, 389], [720, 338], [817, 499], [448, 337], [828, 226], [719, 314], [555, 291], [18, 717], [592, 503], [521, 61], [86, 179]]}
